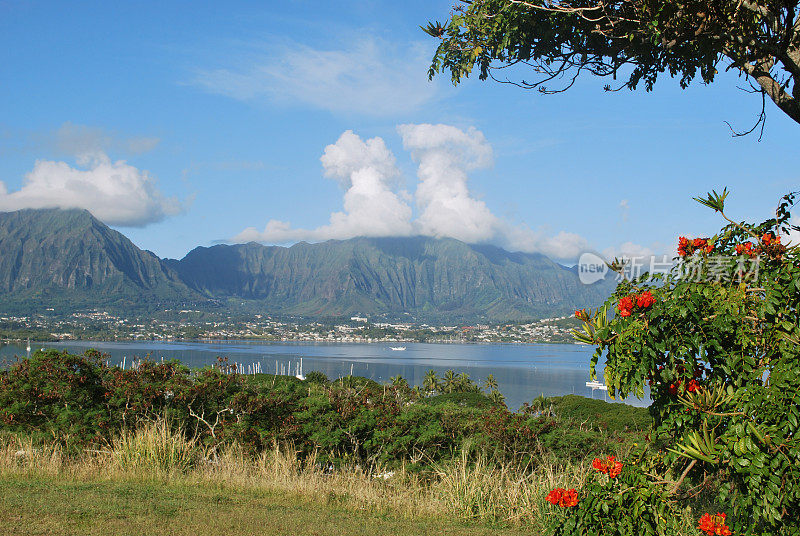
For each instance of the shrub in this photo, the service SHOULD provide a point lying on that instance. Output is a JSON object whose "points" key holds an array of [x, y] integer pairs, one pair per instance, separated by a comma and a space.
{"points": [[466, 400], [601, 415], [56, 393], [80, 401], [718, 341]]}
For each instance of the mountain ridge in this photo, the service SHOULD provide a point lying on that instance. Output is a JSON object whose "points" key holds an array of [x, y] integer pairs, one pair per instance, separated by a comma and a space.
{"points": [[71, 257]]}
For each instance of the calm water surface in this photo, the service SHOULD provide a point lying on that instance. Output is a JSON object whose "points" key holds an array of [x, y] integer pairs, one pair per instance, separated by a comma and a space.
{"points": [[523, 371]]}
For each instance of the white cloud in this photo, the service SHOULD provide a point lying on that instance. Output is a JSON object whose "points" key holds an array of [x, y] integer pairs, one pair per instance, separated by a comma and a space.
{"points": [[367, 172], [445, 207], [563, 245], [629, 250], [624, 210], [369, 76], [445, 154], [115, 192]]}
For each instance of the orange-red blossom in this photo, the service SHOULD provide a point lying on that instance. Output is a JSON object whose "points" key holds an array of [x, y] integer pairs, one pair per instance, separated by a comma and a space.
{"points": [[610, 466], [642, 301], [563, 497], [687, 247], [714, 525], [625, 306], [582, 314]]}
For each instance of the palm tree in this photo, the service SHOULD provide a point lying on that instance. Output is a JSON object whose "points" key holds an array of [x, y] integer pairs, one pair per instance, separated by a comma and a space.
{"points": [[449, 381], [464, 384], [431, 382], [497, 397], [398, 381], [490, 383], [541, 404]]}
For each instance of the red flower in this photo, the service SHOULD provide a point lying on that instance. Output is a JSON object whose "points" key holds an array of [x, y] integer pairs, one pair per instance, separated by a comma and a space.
{"points": [[609, 466], [645, 299], [562, 497], [692, 386], [747, 249], [673, 388], [687, 247], [683, 243], [767, 238], [615, 470], [570, 498], [625, 306], [714, 525]]}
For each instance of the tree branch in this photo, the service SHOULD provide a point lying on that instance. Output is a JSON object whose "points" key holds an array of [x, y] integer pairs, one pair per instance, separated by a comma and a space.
{"points": [[772, 88], [683, 476]]}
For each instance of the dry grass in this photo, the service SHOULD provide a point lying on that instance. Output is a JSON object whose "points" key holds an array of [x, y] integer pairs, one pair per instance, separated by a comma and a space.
{"points": [[469, 489], [155, 449], [475, 489]]}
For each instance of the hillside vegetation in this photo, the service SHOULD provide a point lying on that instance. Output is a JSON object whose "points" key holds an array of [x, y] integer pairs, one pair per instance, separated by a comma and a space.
{"points": [[67, 259]]}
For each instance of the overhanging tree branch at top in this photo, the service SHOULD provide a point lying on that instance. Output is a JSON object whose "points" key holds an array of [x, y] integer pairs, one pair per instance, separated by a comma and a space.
{"points": [[635, 40]]}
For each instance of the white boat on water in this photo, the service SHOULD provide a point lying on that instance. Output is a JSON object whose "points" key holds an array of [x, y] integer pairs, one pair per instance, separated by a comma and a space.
{"points": [[397, 348]]}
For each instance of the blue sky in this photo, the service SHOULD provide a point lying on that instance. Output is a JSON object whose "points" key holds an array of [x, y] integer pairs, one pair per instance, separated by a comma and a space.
{"points": [[222, 112]]}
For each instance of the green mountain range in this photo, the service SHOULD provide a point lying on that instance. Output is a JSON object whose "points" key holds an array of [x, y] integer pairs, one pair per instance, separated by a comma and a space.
{"points": [[68, 259]]}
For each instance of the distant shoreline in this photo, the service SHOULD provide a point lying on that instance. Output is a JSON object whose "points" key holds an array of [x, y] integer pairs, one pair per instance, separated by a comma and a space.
{"points": [[264, 340]]}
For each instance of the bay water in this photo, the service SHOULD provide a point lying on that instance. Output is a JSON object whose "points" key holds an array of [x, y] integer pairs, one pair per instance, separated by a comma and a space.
{"points": [[522, 371]]}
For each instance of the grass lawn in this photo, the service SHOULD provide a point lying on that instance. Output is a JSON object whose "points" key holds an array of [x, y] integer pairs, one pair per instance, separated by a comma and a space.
{"points": [[60, 505]]}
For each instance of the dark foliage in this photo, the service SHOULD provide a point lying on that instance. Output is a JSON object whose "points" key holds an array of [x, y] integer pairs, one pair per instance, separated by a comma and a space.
{"points": [[81, 401]]}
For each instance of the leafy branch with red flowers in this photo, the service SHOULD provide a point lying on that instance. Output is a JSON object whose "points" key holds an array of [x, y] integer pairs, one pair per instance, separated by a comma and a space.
{"points": [[717, 341]]}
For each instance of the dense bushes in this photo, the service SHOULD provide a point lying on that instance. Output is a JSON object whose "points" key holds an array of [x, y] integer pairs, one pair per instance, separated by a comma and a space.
{"points": [[79, 400]]}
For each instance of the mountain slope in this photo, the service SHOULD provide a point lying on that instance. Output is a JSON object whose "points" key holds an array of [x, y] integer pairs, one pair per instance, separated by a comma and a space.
{"points": [[69, 260], [421, 275], [67, 257]]}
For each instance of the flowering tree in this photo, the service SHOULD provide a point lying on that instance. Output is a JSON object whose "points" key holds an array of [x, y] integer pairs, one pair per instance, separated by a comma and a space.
{"points": [[717, 339]]}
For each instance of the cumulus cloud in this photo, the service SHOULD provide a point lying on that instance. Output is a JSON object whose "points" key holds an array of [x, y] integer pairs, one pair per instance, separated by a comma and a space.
{"points": [[445, 206], [367, 76], [368, 173], [445, 154], [562, 245], [114, 191]]}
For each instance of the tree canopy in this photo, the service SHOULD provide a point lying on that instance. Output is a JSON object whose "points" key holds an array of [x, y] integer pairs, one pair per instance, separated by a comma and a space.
{"points": [[630, 41]]}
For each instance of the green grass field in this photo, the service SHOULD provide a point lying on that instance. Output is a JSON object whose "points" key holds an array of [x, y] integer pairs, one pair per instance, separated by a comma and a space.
{"points": [[37, 505]]}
